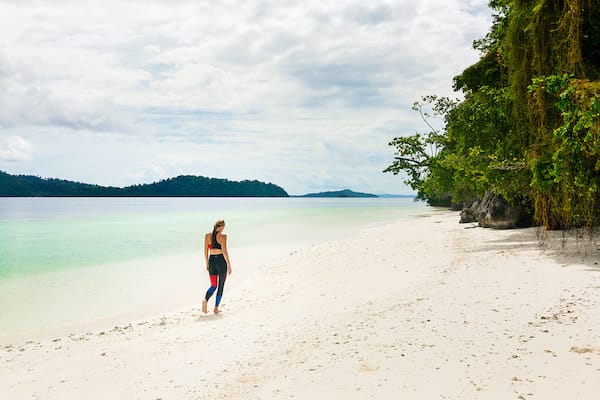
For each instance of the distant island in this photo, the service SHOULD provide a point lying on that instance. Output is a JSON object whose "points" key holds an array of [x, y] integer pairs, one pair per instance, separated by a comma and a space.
{"points": [[181, 186], [397, 196], [339, 193]]}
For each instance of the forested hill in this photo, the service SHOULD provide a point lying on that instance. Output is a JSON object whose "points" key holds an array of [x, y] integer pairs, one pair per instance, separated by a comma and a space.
{"points": [[181, 186], [339, 193]]}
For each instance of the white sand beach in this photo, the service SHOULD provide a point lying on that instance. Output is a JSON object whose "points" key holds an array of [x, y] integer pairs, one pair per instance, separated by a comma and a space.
{"points": [[418, 309]]}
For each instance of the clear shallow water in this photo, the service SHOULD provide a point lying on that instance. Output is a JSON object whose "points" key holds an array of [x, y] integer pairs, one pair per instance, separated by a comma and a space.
{"points": [[48, 234], [67, 259]]}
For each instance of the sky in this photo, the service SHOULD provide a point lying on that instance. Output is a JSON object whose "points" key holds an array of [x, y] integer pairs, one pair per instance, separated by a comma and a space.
{"points": [[303, 94]]}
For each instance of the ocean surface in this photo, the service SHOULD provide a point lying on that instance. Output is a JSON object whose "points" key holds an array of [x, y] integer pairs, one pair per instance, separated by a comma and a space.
{"points": [[67, 261]]}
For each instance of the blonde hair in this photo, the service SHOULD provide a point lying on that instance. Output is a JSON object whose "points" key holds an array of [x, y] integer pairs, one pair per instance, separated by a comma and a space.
{"points": [[218, 224]]}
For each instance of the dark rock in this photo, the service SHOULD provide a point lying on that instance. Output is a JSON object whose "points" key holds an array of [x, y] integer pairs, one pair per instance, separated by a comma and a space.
{"points": [[461, 206], [456, 206], [467, 215], [492, 211]]}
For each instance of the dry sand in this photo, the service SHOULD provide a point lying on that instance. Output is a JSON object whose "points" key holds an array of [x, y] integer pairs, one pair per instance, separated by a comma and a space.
{"points": [[419, 309]]}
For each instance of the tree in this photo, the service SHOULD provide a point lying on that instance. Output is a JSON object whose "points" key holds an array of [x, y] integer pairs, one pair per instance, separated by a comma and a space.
{"points": [[528, 126], [418, 155]]}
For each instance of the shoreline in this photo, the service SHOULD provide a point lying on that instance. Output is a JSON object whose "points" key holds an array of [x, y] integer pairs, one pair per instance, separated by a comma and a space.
{"points": [[190, 285], [421, 308], [116, 292]]}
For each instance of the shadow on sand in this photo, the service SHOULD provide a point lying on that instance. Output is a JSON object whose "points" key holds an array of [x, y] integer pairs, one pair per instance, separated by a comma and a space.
{"points": [[565, 247]]}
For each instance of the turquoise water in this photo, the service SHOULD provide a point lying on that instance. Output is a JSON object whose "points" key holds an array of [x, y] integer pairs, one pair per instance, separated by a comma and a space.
{"points": [[64, 260], [48, 234]]}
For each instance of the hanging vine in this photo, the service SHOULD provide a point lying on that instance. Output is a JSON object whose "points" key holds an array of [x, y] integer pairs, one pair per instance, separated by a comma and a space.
{"points": [[545, 39]]}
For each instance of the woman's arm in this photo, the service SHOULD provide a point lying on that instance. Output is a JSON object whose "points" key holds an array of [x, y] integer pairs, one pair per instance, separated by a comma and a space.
{"points": [[206, 251], [225, 254]]}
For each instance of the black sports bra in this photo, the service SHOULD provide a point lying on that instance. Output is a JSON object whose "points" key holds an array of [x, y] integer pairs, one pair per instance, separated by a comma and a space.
{"points": [[215, 244]]}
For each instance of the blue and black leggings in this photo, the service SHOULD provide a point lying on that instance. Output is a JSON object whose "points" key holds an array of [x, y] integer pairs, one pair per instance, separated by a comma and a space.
{"points": [[217, 269]]}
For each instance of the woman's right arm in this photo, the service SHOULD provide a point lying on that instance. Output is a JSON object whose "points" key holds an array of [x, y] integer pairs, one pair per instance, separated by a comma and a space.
{"points": [[206, 250]]}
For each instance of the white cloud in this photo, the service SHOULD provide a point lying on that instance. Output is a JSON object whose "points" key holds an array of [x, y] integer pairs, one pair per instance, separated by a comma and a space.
{"points": [[252, 80], [15, 148]]}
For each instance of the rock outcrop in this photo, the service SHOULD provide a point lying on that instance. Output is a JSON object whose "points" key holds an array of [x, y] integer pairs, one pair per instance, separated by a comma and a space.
{"points": [[492, 211]]}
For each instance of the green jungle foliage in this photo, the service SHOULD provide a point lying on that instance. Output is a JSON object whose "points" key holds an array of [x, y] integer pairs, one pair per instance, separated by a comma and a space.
{"points": [[528, 126], [183, 186]]}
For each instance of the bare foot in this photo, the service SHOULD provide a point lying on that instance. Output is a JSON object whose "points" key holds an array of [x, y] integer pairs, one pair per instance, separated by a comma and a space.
{"points": [[204, 306], [216, 310]]}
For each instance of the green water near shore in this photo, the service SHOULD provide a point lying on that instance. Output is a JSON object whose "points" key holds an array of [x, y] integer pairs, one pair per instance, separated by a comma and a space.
{"points": [[41, 235]]}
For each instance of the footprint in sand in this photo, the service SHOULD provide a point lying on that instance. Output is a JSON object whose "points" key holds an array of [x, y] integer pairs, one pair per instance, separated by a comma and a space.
{"points": [[583, 350]]}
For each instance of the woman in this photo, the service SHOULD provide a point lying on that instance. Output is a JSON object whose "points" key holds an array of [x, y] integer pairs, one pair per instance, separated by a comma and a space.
{"points": [[217, 263]]}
